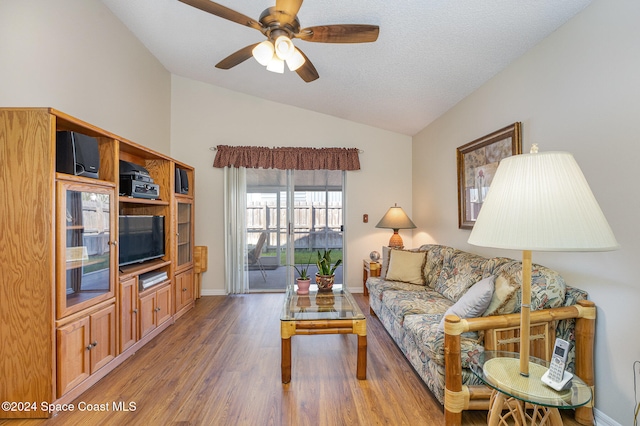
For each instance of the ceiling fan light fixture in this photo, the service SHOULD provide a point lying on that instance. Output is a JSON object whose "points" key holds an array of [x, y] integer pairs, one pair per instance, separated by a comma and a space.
{"points": [[296, 60], [263, 52], [276, 65], [284, 47]]}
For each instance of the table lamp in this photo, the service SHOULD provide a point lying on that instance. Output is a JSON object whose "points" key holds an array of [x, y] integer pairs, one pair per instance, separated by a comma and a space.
{"points": [[395, 219], [540, 202]]}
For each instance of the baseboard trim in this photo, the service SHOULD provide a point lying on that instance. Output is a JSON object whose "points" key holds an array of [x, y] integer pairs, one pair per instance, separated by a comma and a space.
{"points": [[218, 292], [604, 420], [215, 292]]}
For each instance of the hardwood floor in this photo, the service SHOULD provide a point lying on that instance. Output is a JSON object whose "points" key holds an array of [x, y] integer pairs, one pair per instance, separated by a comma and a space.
{"points": [[220, 365]]}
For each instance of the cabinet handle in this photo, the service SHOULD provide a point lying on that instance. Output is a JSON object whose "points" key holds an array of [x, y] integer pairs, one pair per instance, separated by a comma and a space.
{"points": [[94, 344], [135, 311], [184, 289], [89, 347]]}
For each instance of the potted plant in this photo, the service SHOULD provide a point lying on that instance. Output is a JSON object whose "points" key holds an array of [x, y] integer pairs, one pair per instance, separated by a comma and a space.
{"points": [[303, 279], [326, 270]]}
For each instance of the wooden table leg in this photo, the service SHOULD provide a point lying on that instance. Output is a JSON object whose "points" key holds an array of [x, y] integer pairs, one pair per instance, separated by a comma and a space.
{"points": [[286, 360], [360, 328], [555, 419], [361, 371], [495, 409]]}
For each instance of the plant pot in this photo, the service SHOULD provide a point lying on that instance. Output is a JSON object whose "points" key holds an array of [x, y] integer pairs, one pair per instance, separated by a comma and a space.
{"points": [[326, 299], [325, 282], [303, 286], [303, 303]]}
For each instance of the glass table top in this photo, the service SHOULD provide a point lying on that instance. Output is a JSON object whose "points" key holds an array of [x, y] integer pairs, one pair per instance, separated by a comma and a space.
{"points": [[501, 371], [337, 304]]}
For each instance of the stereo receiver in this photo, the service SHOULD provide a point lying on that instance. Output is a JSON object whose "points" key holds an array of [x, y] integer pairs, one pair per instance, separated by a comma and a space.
{"points": [[137, 189]]}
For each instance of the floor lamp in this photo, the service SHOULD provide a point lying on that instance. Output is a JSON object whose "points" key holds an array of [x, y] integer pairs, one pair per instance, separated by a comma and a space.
{"points": [[540, 202]]}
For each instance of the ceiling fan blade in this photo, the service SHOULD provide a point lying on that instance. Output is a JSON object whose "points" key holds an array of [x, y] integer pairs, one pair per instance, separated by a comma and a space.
{"points": [[342, 33], [224, 12], [289, 7], [307, 71], [236, 58]]}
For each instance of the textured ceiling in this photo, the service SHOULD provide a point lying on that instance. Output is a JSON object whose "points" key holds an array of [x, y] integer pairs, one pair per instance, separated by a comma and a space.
{"points": [[430, 54]]}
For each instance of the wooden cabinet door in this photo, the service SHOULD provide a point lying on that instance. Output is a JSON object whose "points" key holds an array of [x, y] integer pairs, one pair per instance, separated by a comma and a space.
{"points": [[184, 232], [73, 354], [184, 289], [163, 305], [85, 255], [147, 314], [103, 337], [128, 313]]}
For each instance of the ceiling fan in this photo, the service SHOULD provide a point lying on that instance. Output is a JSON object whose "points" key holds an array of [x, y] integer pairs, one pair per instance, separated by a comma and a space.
{"points": [[280, 25]]}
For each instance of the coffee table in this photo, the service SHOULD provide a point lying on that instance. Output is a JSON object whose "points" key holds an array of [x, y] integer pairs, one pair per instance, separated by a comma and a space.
{"points": [[322, 312]]}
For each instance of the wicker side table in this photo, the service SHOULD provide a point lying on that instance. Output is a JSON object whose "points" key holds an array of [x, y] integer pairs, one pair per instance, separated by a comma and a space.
{"points": [[525, 399], [369, 269]]}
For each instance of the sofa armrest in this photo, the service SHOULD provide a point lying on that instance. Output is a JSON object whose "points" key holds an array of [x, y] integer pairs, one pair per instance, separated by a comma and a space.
{"points": [[457, 395]]}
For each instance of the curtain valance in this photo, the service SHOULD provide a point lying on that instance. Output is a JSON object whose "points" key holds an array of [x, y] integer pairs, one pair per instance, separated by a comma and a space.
{"points": [[288, 158]]}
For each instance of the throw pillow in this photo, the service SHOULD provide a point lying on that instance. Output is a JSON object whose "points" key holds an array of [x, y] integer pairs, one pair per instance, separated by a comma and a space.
{"points": [[474, 302], [504, 298], [406, 266]]}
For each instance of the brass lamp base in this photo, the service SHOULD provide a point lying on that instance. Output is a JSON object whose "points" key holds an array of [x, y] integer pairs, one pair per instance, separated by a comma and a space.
{"points": [[396, 240]]}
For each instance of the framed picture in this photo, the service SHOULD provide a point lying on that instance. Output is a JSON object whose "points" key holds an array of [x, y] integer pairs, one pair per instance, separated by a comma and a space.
{"points": [[477, 164]]}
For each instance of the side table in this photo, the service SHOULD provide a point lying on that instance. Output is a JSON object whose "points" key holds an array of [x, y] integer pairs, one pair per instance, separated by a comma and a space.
{"points": [[369, 269], [511, 391]]}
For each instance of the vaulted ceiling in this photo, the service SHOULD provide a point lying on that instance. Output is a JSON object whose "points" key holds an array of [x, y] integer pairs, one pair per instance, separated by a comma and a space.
{"points": [[429, 55]]}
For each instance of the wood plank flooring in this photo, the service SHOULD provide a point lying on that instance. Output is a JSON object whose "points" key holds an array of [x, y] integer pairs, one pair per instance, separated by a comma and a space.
{"points": [[220, 365]]}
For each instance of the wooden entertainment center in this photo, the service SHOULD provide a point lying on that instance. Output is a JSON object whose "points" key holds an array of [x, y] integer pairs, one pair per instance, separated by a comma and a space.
{"points": [[69, 313]]}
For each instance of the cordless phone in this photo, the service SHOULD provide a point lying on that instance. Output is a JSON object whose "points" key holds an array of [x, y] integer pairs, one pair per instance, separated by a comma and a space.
{"points": [[556, 377]]}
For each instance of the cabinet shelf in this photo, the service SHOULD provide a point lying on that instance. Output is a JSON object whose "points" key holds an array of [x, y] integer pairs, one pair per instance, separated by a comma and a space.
{"points": [[132, 200], [83, 179], [74, 264], [141, 268]]}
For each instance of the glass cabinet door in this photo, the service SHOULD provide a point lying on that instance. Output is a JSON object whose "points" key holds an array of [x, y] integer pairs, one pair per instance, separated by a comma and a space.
{"points": [[185, 233], [86, 247]]}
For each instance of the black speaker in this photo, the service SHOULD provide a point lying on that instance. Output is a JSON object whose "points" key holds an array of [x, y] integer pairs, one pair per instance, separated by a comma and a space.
{"points": [[77, 154], [182, 181]]}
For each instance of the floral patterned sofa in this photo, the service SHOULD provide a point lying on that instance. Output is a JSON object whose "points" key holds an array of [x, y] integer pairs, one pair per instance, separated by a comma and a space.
{"points": [[418, 287]]}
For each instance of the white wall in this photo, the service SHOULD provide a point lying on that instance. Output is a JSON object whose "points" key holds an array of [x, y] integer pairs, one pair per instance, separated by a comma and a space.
{"points": [[203, 116], [577, 91], [77, 57]]}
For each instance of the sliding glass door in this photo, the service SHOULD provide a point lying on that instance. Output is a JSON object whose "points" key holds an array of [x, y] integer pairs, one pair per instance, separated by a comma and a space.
{"points": [[290, 216]]}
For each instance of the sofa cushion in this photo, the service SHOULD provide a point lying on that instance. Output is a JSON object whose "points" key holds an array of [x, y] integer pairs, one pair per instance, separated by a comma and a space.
{"points": [[433, 265], [474, 302], [402, 302], [423, 330], [548, 288], [377, 286], [460, 270], [406, 266]]}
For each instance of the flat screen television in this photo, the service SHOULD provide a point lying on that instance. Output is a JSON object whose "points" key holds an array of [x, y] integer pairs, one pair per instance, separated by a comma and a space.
{"points": [[141, 238]]}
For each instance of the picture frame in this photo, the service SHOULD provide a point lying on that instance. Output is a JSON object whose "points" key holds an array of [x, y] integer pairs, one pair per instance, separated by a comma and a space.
{"points": [[477, 163]]}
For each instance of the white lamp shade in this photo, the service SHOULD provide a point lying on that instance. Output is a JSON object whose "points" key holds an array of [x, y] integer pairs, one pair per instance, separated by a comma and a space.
{"points": [[263, 52], [284, 47], [276, 65], [395, 218], [541, 202], [295, 61]]}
